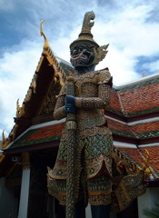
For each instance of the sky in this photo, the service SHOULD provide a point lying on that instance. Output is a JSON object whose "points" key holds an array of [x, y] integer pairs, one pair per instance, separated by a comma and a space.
{"points": [[130, 27]]}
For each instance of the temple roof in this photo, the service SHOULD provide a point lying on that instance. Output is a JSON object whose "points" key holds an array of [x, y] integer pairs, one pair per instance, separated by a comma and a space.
{"points": [[36, 135], [136, 99]]}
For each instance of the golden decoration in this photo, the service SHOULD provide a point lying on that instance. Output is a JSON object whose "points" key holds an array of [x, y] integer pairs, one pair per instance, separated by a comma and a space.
{"points": [[59, 73], [5, 141], [33, 84], [46, 43], [39, 64], [20, 110], [146, 165], [11, 137], [32, 89], [26, 160], [100, 53], [28, 95], [3, 137], [13, 132], [1, 157], [123, 162]]}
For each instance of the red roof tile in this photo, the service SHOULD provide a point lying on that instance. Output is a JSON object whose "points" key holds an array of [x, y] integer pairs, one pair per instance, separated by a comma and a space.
{"points": [[146, 127], [139, 99], [118, 126], [133, 153], [115, 104], [45, 132]]}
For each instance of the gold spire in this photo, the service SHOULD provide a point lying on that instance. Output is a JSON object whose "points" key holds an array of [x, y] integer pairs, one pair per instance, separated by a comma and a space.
{"points": [[59, 73], [46, 43], [20, 110], [3, 137], [5, 141]]}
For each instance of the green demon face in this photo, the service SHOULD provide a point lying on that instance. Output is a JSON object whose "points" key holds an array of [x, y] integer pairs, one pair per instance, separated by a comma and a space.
{"points": [[82, 55]]}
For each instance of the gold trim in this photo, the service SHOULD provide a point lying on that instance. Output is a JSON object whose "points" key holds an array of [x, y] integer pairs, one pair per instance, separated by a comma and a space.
{"points": [[20, 110], [59, 73], [46, 43], [5, 141], [39, 64], [1, 158]]}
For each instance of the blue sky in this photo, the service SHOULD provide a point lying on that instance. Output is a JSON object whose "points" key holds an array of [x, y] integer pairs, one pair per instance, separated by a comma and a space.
{"points": [[130, 27]]}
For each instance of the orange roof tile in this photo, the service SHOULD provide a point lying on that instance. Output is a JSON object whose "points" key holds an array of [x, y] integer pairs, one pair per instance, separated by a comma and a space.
{"points": [[45, 132], [140, 99], [115, 104], [133, 153], [146, 127], [119, 127]]}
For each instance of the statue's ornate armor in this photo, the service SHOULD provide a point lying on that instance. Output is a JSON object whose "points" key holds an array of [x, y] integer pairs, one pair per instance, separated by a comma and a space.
{"points": [[87, 167], [93, 162]]}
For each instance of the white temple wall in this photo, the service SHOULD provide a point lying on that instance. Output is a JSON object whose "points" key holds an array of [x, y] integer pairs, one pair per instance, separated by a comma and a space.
{"points": [[24, 196], [88, 211]]}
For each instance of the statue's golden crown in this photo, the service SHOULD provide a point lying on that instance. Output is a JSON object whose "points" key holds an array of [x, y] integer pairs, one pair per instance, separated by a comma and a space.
{"points": [[86, 37]]}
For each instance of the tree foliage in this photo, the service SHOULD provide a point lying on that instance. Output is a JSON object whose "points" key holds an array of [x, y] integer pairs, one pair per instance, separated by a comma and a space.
{"points": [[152, 213]]}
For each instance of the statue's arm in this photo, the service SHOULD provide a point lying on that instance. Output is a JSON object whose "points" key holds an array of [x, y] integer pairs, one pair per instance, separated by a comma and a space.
{"points": [[59, 107], [104, 94]]}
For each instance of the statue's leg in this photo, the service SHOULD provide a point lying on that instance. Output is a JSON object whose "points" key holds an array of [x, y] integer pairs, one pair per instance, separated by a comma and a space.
{"points": [[100, 211]]}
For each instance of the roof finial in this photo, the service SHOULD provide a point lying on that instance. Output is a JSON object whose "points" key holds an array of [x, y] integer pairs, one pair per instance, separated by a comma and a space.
{"points": [[3, 137], [46, 43]]}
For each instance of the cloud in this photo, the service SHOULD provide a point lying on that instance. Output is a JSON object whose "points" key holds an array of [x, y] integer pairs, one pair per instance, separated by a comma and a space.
{"points": [[17, 67], [7, 7], [153, 66], [130, 36]]}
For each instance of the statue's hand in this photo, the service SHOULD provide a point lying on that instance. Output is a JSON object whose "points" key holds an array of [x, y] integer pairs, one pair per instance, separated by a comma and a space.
{"points": [[69, 105], [69, 99]]}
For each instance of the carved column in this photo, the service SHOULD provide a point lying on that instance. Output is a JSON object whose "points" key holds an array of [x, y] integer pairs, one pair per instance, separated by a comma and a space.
{"points": [[23, 206]]}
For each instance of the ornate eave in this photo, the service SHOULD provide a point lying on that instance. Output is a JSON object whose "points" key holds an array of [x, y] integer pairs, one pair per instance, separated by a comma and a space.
{"points": [[48, 136]]}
